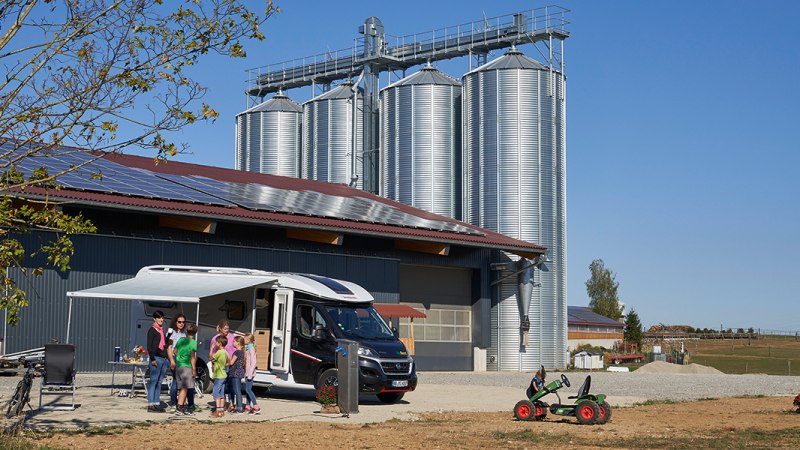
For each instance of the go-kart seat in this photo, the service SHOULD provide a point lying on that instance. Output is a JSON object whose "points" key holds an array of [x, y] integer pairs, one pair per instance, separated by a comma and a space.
{"points": [[584, 388]]}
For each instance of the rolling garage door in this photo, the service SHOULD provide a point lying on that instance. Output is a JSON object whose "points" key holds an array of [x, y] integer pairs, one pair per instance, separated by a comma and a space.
{"points": [[443, 340]]}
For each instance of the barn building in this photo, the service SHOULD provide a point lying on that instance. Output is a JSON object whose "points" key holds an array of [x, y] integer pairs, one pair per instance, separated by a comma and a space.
{"points": [[185, 214], [587, 327]]}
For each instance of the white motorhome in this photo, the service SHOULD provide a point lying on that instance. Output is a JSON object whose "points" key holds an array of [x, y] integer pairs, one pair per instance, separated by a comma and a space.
{"points": [[296, 320]]}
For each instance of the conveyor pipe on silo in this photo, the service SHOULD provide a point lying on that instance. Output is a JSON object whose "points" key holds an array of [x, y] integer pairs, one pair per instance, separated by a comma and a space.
{"points": [[524, 293]]}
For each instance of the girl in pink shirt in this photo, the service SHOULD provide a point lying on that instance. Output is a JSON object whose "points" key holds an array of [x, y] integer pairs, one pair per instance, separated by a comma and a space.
{"points": [[251, 405]]}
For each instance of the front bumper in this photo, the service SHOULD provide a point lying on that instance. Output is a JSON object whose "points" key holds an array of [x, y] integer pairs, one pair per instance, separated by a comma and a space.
{"points": [[386, 375]]}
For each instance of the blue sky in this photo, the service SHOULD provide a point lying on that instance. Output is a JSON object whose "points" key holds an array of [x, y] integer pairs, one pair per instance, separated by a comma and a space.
{"points": [[683, 139]]}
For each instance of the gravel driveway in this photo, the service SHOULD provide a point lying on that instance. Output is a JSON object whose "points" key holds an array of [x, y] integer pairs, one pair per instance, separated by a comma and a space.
{"points": [[436, 391]]}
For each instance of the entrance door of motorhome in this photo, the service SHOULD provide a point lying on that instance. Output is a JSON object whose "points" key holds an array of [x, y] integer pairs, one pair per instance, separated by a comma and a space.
{"points": [[281, 330]]}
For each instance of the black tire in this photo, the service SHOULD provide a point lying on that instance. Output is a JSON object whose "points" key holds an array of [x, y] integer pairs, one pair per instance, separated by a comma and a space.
{"points": [[587, 412], [328, 377], [203, 378], [605, 413], [524, 410], [390, 397], [539, 411], [18, 400]]}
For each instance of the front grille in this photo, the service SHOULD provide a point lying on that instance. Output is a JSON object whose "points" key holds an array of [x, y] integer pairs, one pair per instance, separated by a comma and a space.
{"points": [[396, 367]]}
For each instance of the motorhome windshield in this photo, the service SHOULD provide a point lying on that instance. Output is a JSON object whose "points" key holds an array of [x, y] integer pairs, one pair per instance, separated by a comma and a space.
{"points": [[359, 322]]}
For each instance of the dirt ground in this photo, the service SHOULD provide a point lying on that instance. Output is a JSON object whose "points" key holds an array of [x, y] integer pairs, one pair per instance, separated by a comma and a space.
{"points": [[753, 422]]}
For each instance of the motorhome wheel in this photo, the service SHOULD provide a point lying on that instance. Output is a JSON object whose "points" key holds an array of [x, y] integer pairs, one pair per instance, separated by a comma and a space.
{"points": [[203, 379], [329, 377]]}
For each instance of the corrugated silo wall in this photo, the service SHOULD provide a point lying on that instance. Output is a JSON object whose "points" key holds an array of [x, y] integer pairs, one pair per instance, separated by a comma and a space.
{"points": [[241, 142], [277, 148], [327, 141], [421, 126], [514, 156]]}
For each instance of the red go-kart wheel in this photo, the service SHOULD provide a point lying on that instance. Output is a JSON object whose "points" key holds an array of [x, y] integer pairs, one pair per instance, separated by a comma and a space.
{"points": [[587, 412], [524, 410]]}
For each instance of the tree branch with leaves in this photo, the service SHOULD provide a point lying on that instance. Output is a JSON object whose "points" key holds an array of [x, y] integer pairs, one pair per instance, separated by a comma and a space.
{"points": [[103, 75]]}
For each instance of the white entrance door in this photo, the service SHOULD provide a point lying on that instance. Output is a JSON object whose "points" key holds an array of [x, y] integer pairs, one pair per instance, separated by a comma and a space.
{"points": [[281, 330]]}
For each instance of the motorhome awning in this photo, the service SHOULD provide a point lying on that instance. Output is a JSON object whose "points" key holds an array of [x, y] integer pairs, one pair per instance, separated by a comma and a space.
{"points": [[171, 287], [176, 284]]}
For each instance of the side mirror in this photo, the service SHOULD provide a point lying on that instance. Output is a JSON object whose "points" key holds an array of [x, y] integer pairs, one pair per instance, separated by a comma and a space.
{"points": [[396, 333], [319, 333]]}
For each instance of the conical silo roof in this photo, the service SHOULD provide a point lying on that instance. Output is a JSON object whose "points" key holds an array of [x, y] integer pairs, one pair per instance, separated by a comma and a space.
{"points": [[426, 76], [279, 102], [344, 91], [513, 59]]}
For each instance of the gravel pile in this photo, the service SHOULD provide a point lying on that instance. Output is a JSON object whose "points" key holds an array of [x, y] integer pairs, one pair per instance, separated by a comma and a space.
{"points": [[653, 386], [665, 367]]}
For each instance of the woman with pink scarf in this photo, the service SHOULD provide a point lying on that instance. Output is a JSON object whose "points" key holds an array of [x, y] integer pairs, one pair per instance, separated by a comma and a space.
{"points": [[157, 349]]}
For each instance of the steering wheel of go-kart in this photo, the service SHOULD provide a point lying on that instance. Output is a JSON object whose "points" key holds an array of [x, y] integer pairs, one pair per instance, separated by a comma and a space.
{"points": [[564, 380]]}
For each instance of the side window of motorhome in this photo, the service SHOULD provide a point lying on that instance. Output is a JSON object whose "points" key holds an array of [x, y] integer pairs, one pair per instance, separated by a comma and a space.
{"points": [[308, 318], [234, 310]]}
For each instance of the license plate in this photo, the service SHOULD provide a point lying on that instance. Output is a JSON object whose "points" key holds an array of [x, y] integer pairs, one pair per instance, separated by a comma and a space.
{"points": [[399, 383]]}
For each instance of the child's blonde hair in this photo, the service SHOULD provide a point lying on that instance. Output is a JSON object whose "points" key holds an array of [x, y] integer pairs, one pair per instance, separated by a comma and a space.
{"points": [[240, 340], [250, 338]]}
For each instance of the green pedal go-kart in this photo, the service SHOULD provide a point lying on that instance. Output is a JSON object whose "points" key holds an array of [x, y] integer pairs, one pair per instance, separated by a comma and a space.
{"points": [[588, 408]]}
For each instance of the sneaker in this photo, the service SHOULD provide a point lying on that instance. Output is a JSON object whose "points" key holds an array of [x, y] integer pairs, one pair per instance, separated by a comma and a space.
{"points": [[246, 408], [180, 412], [195, 408], [155, 409], [255, 411]]}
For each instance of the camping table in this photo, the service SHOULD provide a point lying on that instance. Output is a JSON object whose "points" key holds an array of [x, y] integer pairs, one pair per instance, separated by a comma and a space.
{"points": [[137, 375]]}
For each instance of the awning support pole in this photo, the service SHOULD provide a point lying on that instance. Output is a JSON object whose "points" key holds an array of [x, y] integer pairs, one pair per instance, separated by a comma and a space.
{"points": [[197, 316], [69, 320]]}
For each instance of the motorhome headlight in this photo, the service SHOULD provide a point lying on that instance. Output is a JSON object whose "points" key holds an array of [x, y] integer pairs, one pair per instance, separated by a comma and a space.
{"points": [[366, 351]]}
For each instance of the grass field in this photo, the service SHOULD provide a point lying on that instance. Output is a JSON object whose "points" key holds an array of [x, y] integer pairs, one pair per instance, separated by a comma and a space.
{"points": [[770, 355]]}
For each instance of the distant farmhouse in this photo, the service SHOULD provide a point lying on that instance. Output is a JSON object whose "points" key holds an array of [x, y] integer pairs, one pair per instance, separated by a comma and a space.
{"points": [[587, 327]]}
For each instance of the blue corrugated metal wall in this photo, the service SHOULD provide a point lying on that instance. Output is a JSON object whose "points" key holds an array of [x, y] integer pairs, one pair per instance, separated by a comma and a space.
{"points": [[101, 259]]}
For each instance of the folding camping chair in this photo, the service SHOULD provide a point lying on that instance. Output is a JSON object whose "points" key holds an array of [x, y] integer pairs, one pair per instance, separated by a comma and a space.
{"points": [[59, 373]]}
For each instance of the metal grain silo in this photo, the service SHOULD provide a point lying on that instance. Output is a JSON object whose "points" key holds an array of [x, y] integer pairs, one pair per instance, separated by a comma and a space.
{"points": [[421, 142], [268, 137], [328, 137], [514, 176]]}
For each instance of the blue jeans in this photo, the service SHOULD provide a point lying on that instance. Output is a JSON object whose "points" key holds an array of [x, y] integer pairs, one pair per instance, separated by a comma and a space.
{"points": [[219, 388], [248, 389], [157, 373], [236, 391]]}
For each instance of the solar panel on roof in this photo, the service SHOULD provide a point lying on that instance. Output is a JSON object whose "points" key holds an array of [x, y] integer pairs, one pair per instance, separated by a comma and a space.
{"points": [[84, 171], [259, 197]]}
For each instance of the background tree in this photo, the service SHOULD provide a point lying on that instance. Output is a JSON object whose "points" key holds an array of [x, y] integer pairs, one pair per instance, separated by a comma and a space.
{"points": [[633, 329], [104, 75], [602, 289]]}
